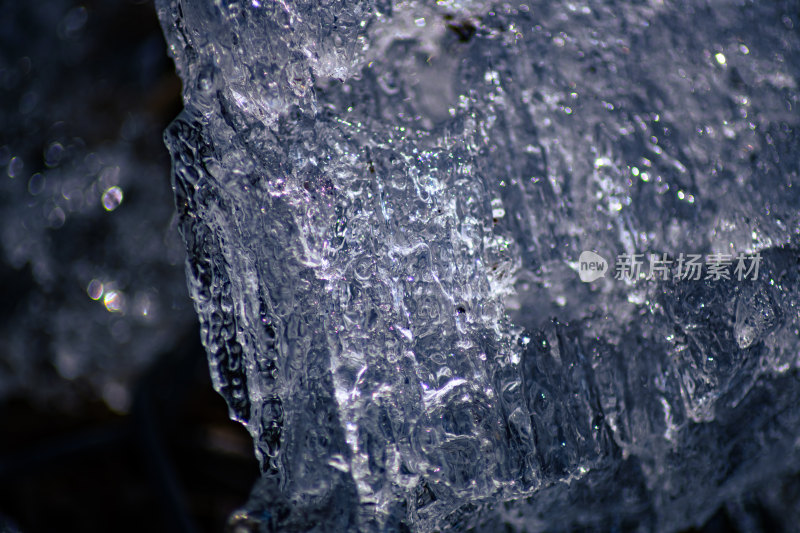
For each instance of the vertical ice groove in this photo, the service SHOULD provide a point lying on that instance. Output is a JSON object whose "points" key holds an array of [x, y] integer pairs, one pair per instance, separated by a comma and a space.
{"points": [[381, 202]]}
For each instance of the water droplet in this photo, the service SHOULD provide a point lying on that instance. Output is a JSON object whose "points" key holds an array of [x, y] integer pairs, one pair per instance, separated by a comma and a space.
{"points": [[73, 22], [112, 198], [113, 300], [95, 289], [36, 184], [15, 167], [56, 218], [117, 396]]}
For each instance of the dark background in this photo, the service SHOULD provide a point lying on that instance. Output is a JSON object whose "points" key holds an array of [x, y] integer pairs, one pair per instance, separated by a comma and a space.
{"points": [[155, 449]]}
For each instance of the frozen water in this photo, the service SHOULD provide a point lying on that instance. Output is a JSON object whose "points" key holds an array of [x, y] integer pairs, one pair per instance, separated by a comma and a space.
{"points": [[383, 205]]}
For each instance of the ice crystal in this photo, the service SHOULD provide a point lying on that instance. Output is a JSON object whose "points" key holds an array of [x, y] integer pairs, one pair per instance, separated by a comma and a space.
{"points": [[383, 203]]}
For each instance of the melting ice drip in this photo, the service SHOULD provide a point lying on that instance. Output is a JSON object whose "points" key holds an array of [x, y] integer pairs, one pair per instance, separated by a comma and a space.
{"points": [[381, 202]]}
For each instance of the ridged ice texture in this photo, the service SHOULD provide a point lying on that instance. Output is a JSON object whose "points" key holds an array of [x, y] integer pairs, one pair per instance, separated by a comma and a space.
{"points": [[383, 203]]}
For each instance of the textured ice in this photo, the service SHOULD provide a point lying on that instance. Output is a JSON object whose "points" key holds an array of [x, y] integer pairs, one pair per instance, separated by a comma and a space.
{"points": [[383, 205]]}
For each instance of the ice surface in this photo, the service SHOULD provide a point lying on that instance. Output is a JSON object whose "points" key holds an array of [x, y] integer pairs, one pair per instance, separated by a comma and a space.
{"points": [[383, 205]]}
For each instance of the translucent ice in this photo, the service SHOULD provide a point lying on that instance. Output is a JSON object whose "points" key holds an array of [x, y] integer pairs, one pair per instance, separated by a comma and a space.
{"points": [[384, 202]]}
